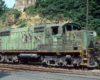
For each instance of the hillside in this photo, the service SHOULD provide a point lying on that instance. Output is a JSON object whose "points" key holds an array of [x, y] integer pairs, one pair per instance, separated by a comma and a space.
{"points": [[25, 20], [54, 11]]}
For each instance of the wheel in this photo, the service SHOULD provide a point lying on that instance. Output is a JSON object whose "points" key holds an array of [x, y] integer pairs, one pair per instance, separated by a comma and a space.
{"points": [[1, 58], [91, 62]]}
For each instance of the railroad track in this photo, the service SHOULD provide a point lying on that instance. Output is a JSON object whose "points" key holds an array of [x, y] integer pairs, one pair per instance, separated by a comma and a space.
{"points": [[40, 68]]}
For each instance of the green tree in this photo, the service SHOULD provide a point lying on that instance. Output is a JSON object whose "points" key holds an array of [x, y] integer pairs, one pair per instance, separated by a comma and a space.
{"points": [[71, 9], [16, 13], [94, 12], [2, 7], [31, 10]]}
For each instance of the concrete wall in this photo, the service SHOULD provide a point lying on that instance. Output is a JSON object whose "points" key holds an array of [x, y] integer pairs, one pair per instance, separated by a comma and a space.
{"points": [[22, 4]]}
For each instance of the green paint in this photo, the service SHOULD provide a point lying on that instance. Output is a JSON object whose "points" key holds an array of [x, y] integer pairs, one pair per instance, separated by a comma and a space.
{"points": [[45, 40]]}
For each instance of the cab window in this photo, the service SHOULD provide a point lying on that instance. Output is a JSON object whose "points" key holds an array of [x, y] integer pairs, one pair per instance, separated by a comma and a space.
{"points": [[54, 30]]}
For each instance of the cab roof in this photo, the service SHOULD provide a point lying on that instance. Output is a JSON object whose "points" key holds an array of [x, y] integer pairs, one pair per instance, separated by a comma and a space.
{"points": [[61, 25]]}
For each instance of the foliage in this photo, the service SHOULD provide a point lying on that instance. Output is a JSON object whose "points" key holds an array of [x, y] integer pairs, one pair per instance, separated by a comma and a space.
{"points": [[3, 11], [16, 14], [7, 9], [61, 9], [22, 23], [2, 7], [71, 9], [31, 10], [3, 17]]}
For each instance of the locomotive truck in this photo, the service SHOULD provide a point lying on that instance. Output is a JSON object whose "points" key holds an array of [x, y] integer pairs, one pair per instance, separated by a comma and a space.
{"points": [[51, 44]]}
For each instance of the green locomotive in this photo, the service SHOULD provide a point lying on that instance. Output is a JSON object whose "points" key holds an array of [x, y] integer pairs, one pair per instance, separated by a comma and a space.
{"points": [[52, 44]]}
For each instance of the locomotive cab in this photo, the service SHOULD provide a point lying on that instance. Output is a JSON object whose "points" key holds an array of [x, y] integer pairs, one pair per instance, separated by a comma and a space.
{"points": [[59, 35], [71, 27]]}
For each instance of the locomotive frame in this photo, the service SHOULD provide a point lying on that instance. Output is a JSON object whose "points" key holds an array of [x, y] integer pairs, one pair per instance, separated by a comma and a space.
{"points": [[52, 44]]}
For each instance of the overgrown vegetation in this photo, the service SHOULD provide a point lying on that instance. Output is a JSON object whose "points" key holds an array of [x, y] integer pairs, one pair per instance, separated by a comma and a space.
{"points": [[2, 7], [3, 11], [31, 10], [3, 18], [22, 23], [60, 10], [74, 10], [16, 14]]}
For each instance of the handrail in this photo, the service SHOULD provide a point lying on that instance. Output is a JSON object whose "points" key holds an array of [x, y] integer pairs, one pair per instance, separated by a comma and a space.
{"points": [[77, 39]]}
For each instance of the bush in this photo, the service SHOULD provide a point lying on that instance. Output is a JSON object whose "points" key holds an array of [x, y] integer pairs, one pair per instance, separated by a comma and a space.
{"points": [[22, 23], [31, 10], [16, 14], [3, 17]]}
